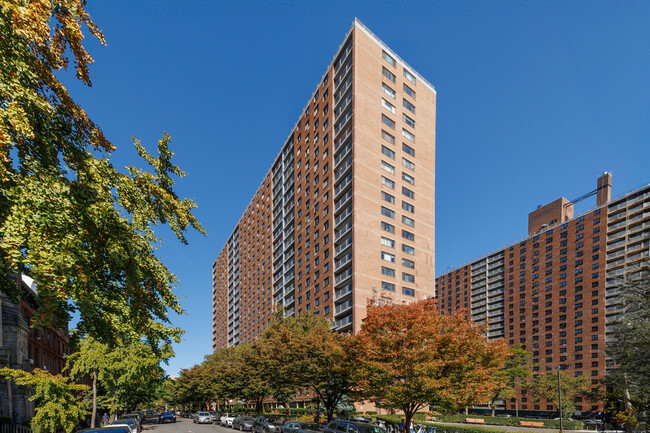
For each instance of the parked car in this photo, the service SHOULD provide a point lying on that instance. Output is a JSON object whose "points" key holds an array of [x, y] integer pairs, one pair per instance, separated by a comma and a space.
{"points": [[243, 423], [267, 424], [352, 427], [133, 415], [203, 418], [168, 416], [227, 419], [301, 427], [116, 428], [130, 422]]}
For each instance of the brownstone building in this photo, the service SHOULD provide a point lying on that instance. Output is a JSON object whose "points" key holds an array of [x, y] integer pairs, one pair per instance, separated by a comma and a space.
{"points": [[346, 211], [555, 292]]}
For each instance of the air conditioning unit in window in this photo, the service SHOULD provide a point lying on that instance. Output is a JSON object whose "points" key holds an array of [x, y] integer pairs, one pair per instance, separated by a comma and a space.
{"points": [[31, 361]]}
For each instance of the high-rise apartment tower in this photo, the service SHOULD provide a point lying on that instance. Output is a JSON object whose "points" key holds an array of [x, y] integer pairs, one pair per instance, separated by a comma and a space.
{"points": [[556, 292], [346, 212]]}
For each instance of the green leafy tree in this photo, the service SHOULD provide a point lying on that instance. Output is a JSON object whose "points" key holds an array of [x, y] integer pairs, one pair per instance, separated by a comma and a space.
{"points": [[249, 375], [411, 356], [546, 386], [128, 374], [82, 228], [629, 347], [305, 352], [516, 368], [58, 402], [91, 359]]}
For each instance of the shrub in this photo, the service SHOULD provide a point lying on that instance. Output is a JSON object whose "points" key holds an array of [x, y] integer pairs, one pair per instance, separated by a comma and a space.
{"points": [[501, 420]]}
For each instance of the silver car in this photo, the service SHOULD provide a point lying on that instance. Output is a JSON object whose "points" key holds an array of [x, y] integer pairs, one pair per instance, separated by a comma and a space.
{"points": [[203, 418]]}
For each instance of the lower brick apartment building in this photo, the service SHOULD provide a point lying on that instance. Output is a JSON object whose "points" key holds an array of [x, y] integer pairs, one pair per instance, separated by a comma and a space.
{"points": [[555, 292]]}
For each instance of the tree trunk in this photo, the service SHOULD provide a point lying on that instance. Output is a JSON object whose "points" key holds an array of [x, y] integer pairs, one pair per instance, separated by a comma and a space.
{"points": [[93, 418], [493, 406], [466, 410], [627, 404]]}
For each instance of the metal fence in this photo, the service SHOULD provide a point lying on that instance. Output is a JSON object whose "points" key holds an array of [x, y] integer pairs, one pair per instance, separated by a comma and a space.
{"points": [[9, 427]]}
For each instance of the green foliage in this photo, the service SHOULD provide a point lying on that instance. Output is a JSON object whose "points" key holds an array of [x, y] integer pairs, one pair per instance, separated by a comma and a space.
{"points": [[129, 374], [82, 228], [546, 386], [629, 347], [516, 368], [466, 429], [303, 351], [57, 400], [512, 421]]}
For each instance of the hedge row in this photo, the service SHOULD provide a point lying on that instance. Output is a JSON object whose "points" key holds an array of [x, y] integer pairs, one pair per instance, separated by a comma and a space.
{"points": [[501, 420], [440, 428]]}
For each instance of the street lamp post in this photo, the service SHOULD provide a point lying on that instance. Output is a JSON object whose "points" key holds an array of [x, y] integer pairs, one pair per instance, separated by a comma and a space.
{"points": [[559, 393]]}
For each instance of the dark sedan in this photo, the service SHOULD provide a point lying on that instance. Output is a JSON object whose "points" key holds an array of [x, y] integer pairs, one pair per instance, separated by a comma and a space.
{"points": [[167, 417], [242, 423], [301, 427], [267, 424]]}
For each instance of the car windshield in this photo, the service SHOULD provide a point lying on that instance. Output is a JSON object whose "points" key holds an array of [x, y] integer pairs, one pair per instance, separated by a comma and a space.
{"points": [[118, 429], [204, 414], [124, 421], [367, 428], [271, 419], [309, 426], [247, 418], [168, 413]]}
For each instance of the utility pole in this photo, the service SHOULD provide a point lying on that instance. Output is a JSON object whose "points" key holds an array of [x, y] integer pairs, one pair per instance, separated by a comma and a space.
{"points": [[559, 394]]}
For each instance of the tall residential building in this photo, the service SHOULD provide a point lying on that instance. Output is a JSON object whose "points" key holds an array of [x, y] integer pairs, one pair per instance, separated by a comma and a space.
{"points": [[346, 211], [556, 292]]}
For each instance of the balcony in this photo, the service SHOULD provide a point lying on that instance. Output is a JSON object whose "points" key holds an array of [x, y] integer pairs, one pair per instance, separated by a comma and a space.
{"points": [[338, 264], [342, 139], [343, 292], [344, 307], [347, 180], [343, 215], [347, 274], [343, 246], [343, 324], [341, 202], [342, 169], [343, 122]]}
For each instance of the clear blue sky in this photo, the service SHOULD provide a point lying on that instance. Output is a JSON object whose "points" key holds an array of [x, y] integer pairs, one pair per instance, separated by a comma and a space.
{"points": [[535, 100]]}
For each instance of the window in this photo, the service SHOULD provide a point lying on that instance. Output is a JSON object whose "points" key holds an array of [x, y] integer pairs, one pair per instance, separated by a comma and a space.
{"points": [[390, 92], [408, 178], [408, 249], [408, 149], [408, 135], [387, 182], [407, 192], [388, 121], [408, 207], [388, 286], [408, 263], [409, 91], [410, 122], [389, 168], [387, 197], [409, 76], [406, 104], [387, 242], [387, 212], [408, 292], [386, 151], [387, 271], [386, 136], [387, 227], [387, 105], [388, 58], [408, 164], [408, 277], [387, 257], [408, 221], [388, 74], [408, 235]]}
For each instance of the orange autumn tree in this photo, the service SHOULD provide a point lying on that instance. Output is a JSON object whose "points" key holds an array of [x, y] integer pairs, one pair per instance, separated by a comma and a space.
{"points": [[411, 356]]}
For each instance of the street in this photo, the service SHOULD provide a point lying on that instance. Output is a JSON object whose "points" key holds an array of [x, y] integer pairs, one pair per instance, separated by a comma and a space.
{"points": [[185, 425]]}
